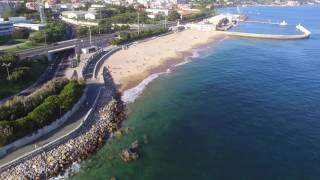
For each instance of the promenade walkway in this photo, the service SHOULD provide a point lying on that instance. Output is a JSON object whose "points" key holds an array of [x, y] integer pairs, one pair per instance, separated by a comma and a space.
{"points": [[72, 123]]}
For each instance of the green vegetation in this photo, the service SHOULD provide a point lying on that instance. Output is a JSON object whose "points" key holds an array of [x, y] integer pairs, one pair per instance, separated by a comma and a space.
{"points": [[20, 35], [126, 37], [104, 27], [20, 106], [49, 110], [173, 16], [21, 73], [53, 32]]}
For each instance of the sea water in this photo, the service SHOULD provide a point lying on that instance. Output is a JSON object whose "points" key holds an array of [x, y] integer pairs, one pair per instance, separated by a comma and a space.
{"points": [[243, 109]]}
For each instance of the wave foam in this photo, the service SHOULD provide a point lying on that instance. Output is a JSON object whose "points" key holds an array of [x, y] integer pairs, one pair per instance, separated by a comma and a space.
{"points": [[75, 167], [132, 94]]}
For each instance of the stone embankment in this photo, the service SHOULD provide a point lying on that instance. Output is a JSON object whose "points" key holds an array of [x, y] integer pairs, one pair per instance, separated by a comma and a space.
{"points": [[54, 160]]}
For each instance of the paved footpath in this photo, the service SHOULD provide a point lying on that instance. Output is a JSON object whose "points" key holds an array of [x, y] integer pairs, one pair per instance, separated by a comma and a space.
{"points": [[72, 122]]}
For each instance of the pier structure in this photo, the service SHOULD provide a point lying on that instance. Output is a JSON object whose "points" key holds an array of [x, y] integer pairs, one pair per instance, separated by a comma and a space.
{"points": [[206, 27], [264, 22], [306, 34]]}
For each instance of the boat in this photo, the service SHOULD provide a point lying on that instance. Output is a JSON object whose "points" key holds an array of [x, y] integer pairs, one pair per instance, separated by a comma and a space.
{"points": [[283, 23]]}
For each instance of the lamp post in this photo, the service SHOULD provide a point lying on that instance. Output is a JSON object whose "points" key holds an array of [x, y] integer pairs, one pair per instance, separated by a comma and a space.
{"points": [[7, 65], [90, 35], [138, 23], [61, 107]]}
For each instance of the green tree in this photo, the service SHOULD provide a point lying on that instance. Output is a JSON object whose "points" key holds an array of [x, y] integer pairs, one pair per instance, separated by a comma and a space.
{"points": [[37, 37], [20, 33], [173, 15], [9, 57], [8, 13]]}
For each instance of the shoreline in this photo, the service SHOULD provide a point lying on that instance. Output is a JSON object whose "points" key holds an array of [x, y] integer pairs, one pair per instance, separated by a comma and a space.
{"points": [[134, 86], [62, 157], [141, 60]]}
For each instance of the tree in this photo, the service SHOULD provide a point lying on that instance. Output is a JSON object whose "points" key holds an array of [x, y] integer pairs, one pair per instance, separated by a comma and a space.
{"points": [[9, 57], [173, 15], [82, 31], [20, 33], [8, 13], [37, 37]]}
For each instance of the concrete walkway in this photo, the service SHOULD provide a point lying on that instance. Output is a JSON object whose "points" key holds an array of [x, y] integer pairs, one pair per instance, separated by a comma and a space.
{"points": [[72, 123]]}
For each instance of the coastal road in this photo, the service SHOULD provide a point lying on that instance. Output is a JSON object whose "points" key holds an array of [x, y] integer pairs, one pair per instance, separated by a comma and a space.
{"points": [[93, 88], [51, 72]]}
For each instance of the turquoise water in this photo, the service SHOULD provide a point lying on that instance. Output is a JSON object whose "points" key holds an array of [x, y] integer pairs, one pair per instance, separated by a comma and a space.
{"points": [[244, 109]]}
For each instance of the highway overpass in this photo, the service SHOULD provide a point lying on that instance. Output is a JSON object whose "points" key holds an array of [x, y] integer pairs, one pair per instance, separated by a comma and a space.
{"points": [[64, 45]]}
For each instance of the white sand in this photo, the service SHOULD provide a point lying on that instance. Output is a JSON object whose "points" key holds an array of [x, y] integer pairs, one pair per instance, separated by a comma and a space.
{"points": [[129, 67]]}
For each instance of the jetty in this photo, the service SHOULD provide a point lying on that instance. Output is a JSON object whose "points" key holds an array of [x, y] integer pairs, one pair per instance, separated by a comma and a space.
{"points": [[306, 34], [264, 22]]}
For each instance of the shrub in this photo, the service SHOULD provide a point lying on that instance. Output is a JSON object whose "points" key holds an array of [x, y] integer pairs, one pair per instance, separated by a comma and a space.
{"points": [[126, 37], [47, 112], [19, 106], [20, 33], [18, 74]]}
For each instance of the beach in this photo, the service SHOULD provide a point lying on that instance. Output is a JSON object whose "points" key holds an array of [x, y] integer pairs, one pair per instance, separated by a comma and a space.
{"points": [[130, 66]]}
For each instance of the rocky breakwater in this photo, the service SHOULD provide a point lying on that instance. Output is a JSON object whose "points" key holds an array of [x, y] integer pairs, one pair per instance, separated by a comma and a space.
{"points": [[54, 160]]}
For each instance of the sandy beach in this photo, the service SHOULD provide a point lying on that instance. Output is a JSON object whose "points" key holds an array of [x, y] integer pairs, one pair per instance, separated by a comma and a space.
{"points": [[129, 67]]}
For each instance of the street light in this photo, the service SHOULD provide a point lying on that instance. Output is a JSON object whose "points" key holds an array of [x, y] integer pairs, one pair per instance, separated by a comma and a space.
{"points": [[90, 35], [61, 107], [7, 65], [138, 23]]}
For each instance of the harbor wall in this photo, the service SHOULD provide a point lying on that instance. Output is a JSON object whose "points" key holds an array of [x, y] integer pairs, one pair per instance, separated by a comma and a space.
{"points": [[266, 36]]}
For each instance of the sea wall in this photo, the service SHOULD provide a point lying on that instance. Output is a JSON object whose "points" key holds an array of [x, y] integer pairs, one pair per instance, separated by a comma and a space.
{"points": [[43, 131], [102, 60]]}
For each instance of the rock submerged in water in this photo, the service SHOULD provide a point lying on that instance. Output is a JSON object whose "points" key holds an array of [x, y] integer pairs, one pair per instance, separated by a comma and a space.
{"points": [[131, 153]]}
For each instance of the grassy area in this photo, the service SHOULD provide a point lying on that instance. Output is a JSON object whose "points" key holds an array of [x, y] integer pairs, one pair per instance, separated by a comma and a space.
{"points": [[9, 88], [22, 46], [13, 42], [48, 111]]}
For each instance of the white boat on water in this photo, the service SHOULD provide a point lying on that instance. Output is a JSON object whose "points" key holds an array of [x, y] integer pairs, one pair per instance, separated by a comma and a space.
{"points": [[283, 23]]}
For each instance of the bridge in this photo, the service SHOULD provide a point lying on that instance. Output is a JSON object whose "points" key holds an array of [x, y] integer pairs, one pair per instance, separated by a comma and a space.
{"points": [[64, 45]]}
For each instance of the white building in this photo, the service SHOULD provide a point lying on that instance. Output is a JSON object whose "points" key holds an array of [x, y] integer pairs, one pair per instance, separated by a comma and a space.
{"points": [[91, 15], [74, 14], [97, 6], [20, 19], [35, 27], [216, 20], [293, 3], [158, 11], [6, 28], [69, 6]]}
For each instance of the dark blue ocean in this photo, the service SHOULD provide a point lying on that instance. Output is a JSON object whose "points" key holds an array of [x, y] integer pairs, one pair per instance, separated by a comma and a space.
{"points": [[244, 109]]}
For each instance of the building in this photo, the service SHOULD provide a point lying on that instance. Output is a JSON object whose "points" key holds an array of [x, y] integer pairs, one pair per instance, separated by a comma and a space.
{"points": [[6, 28], [34, 27], [20, 19], [71, 6], [219, 19], [91, 15], [293, 3], [31, 5], [158, 11], [74, 14]]}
